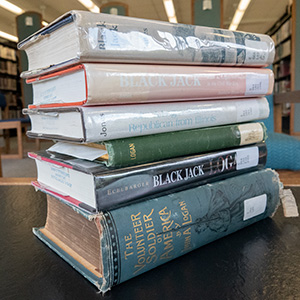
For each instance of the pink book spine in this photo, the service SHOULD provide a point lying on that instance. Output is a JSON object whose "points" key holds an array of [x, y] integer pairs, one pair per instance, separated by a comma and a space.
{"points": [[112, 83]]}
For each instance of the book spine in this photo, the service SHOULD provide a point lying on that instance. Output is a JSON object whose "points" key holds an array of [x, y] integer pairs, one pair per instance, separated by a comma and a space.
{"points": [[144, 235], [107, 36], [135, 83], [101, 124], [150, 148], [118, 188]]}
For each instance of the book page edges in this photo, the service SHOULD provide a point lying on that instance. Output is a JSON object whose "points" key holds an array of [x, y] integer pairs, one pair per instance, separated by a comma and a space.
{"points": [[77, 262], [57, 23], [276, 179], [61, 73], [55, 73]]}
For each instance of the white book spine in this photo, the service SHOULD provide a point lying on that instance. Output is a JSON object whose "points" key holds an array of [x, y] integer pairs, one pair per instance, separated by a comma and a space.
{"points": [[85, 36], [110, 37], [107, 123]]}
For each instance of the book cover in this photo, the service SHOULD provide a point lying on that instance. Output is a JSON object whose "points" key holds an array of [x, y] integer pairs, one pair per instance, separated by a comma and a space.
{"points": [[100, 123], [113, 246], [106, 84], [94, 187], [85, 36], [149, 148]]}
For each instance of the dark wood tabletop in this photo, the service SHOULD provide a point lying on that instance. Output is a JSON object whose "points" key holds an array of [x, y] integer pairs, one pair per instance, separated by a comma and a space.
{"points": [[259, 262]]}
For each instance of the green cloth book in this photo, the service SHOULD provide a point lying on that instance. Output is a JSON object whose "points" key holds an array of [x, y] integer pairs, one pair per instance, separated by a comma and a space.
{"points": [[113, 246], [145, 149]]}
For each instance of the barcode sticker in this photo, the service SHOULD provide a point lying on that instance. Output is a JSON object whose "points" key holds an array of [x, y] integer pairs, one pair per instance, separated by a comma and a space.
{"points": [[254, 206], [257, 84], [247, 158], [256, 51], [247, 110], [251, 133]]}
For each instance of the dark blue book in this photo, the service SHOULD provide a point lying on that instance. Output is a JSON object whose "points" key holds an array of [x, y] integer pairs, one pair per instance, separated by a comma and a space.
{"points": [[94, 187]]}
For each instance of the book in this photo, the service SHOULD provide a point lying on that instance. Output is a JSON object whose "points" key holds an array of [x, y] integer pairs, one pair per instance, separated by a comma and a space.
{"points": [[100, 123], [81, 36], [106, 84], [94, 187], [115, 245], [150, 148]]}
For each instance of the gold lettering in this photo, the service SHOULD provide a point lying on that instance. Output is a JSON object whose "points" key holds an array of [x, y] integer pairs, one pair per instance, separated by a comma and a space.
{"points": [[128, 237], [148, 218], [168, 235], [137, 223], [187, 231], [138, 268], [132, 151], [135, 217], [168, 226], [140, 243], [149, 225], [127, 254], [151, 259], [138, 230], [129, 245]]}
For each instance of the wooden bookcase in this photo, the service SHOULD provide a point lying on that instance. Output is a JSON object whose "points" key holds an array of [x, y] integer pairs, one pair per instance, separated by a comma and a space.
{"points": [[281, 33], [286, 35], [9, 79]]}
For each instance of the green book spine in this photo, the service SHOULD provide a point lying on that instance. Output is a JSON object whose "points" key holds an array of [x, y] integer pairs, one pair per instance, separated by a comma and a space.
{"points": [[150, 148]]}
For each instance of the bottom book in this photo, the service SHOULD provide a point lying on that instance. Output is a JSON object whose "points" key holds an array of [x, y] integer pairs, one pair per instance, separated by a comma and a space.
{"points": [[113, 246]]}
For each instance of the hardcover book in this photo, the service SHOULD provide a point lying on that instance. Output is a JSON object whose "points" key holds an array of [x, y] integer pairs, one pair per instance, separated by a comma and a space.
{"points": [[94, 187], [106, 84], [86, 36], [115, 245], [150, 148], [100, 123]]}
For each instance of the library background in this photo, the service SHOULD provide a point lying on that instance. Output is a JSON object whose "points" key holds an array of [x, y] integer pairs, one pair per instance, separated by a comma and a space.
{"points": [[127, 141]]}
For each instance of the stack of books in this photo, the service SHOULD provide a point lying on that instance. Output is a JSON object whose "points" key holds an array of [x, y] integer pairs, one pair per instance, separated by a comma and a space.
{"points": [[158, 149]]}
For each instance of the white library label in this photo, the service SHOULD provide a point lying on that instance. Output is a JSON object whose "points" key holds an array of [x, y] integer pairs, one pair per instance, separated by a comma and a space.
{"points": [[254, 206]]}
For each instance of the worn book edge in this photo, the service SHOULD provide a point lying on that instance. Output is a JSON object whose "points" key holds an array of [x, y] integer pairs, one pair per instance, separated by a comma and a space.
{"points": [[70, 256]]}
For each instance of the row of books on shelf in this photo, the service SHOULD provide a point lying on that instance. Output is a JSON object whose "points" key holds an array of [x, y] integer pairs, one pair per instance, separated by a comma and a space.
{"points": [[282, 69], [8, 53], [283, 33], [7, 83], [282, 86], [151, 160], [8, 67], [283, 50], [11, 99]]}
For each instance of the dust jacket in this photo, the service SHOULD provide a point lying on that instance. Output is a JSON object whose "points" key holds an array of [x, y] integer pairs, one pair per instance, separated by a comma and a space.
{"points": [[94, 187]]}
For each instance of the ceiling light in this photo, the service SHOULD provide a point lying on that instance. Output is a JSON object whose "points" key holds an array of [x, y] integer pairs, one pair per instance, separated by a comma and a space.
{"points": [[170, 10], [11, 7], [243, 5], [173, 19], [239, 13], [90, 5], [9, 36], [44, 23], [14, 9]]}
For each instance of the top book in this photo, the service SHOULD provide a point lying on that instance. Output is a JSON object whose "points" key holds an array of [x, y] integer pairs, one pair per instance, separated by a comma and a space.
{"points": [[81, 36]]}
